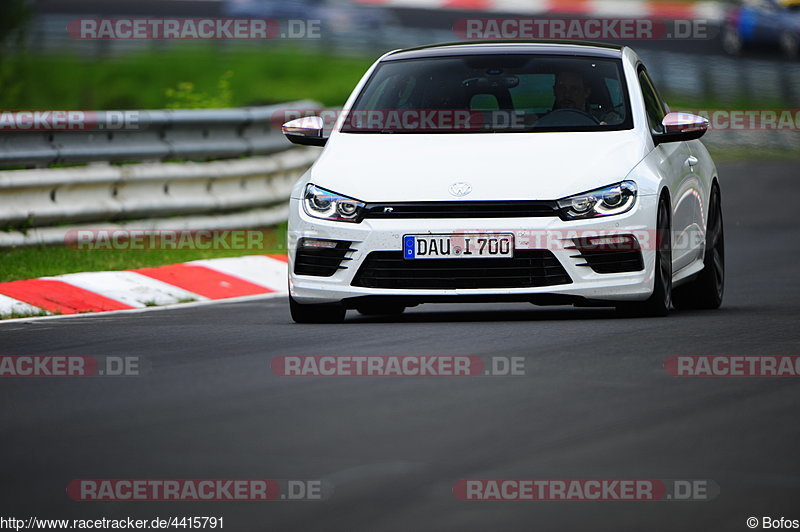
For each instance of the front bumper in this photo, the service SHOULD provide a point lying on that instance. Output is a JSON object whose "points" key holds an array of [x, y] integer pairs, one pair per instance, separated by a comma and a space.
{"points": [[549, 233]]}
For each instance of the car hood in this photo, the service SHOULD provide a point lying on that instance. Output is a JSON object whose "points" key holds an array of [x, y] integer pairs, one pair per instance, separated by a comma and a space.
{"points": [[500, 166]]}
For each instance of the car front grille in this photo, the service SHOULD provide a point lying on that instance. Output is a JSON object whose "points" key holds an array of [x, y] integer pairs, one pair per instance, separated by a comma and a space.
{"points": [[614, 258], [462, 209], [320, 261], [529, 268]]}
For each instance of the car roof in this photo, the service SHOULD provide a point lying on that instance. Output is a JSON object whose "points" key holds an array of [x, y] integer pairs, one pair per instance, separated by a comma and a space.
{"points": [[578, 48]]}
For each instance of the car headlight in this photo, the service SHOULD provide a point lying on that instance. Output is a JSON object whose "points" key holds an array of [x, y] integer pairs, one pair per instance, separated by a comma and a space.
{"points": [[606, 201], [321, 203]]}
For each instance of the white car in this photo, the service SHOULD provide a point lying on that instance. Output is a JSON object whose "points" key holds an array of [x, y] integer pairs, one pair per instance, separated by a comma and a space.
{"points": [[545, 172]]}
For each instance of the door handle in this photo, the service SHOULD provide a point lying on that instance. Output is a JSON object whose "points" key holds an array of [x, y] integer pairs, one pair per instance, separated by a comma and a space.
{"points": [[692, 160]]}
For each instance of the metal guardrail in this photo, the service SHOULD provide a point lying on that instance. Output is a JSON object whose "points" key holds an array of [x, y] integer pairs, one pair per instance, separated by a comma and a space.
{"points": [[248, 188], [250, 192], [160, 135]]}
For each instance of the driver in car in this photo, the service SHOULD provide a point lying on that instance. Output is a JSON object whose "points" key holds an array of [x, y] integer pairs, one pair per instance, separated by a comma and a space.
{"points": [[571, 92]]}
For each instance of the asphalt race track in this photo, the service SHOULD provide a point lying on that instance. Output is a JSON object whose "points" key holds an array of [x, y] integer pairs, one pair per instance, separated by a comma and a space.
{"points": [[595, 403]]}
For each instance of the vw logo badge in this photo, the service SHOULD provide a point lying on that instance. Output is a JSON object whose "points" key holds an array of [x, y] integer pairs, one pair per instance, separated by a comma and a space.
{"points": [[460, 189]]}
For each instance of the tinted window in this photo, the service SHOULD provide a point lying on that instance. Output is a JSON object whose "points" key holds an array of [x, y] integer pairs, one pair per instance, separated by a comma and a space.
{"points": [[493, 93]]}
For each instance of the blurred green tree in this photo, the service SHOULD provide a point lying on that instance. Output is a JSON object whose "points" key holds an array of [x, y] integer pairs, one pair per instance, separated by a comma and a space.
{"points": [[14, 15]]}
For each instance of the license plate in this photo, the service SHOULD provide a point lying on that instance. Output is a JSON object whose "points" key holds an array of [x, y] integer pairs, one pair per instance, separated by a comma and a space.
{"points": [[458, 246]]}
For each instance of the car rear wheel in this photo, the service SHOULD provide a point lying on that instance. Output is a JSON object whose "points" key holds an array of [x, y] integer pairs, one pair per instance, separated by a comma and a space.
{"points": [[790, 44], [706, 291], [658, 304], [328, 313], [731, 40]]}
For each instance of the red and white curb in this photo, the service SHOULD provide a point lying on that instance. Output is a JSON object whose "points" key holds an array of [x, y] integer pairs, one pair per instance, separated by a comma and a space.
{"points": [[601, 8], [200, 280]]}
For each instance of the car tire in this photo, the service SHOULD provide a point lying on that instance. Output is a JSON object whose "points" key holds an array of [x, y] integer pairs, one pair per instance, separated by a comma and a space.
{"points": [[790, 45], [327, 313], [380, 309], [707, 290], [731, 40], [660, 301]]}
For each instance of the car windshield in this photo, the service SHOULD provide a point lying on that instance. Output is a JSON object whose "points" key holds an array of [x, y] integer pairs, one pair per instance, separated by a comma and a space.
{"points": [[509, 93]]}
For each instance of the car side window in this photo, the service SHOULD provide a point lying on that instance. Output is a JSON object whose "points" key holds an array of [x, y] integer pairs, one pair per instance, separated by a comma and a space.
{"points": [[654, 106]]}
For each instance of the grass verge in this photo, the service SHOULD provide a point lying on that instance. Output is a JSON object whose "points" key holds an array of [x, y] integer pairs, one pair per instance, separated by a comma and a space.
{"points": [[17, 314], [145, 80]]}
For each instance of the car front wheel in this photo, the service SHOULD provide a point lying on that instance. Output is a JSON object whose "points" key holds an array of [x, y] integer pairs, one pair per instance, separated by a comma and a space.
{"points": [[658, 304], [328, 313], [706, 291], [731, 40], [790, 44]]}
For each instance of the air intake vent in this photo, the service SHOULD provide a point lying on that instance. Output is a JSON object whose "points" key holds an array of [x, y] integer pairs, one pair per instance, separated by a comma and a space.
{"points": [[609, 254], [321, 258], [529, 268]]}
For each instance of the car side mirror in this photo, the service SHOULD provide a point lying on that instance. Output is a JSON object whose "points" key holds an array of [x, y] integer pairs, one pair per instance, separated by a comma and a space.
{"points": [[306, 131], [679, 127]]}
